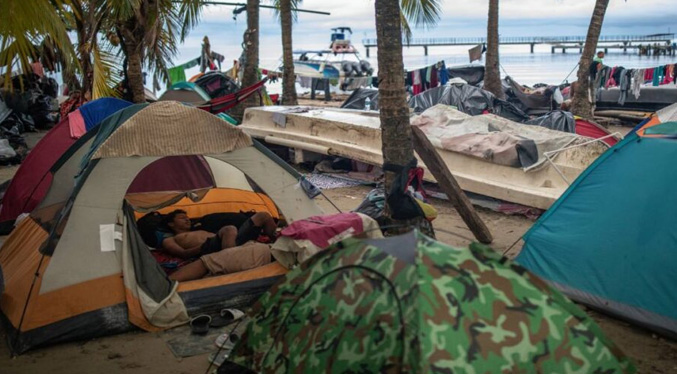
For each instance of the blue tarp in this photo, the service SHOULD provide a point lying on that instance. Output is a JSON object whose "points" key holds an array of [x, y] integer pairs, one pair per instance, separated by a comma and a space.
{"points": [[610, 241], [96, 111]]}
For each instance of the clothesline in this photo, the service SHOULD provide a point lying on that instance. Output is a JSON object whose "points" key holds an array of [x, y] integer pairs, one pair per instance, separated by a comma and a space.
{"points": [[428, 77], [631, 80]]}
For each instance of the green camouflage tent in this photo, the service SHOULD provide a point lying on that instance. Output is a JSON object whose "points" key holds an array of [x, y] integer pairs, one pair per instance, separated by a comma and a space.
{"points": [[413, 305]]}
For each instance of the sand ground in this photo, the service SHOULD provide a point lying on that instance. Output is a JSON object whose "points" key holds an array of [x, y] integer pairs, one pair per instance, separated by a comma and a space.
{"points": [[141, 352]]}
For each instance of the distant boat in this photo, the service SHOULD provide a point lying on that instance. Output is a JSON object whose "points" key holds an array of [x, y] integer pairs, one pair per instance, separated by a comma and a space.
{"points": [[340, 61]]}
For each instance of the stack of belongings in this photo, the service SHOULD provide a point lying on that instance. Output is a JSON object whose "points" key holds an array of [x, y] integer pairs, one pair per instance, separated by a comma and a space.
{"points": [[468, 99], [540, 99], [31, 105]]}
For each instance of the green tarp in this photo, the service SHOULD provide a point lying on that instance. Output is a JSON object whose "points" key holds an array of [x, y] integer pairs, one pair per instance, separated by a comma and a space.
{"points": [[176, 74]]}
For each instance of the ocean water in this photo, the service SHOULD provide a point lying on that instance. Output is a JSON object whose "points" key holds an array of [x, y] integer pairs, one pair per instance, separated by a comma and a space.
{"points": [[542, 66]]}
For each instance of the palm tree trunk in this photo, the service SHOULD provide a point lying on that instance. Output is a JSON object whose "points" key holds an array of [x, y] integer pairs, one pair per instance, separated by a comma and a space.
{"points": [[581, 104], [135, 73], [84, 56], [250, 75], [288, 76], [394, 111], [492, 75], [134, 52]]}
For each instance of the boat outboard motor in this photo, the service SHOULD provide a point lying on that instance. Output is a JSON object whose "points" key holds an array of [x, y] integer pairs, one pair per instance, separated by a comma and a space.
{"points": [[367, 70], [347, 68], [356, 69]]}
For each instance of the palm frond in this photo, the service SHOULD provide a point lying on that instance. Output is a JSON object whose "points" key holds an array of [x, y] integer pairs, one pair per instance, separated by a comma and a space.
{"points": [[189, 13], [23, 26], [294, 5], [406, 29], [423, 13], [106, 73], [121, 10]]}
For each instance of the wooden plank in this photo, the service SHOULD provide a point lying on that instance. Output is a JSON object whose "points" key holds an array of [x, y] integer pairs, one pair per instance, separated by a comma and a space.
{"points": [[450, 186]]}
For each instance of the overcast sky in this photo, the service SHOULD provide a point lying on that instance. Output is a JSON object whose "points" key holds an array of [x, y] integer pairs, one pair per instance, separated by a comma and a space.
{"points": [[459, 18]]}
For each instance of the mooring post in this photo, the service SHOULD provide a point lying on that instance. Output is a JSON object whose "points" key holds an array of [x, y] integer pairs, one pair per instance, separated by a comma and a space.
{"points": [[425, 50], [367, 51], [552, 50], [327, 92], [313, 83], [532, 47]]}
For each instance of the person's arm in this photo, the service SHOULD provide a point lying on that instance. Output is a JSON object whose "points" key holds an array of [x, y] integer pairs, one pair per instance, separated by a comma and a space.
{"points": [[174, 249]]}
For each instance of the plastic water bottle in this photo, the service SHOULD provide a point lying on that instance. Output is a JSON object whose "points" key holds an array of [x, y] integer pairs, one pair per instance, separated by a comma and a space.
{"points": [[367, 104]]}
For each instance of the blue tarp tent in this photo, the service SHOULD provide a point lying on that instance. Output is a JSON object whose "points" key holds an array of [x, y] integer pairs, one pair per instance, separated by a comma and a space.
{"points": [[610, 241], [95, 111]]}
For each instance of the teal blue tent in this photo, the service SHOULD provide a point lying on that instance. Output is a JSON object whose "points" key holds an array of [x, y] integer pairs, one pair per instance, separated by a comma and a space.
{"points": [[186, 92], [610, 241]]}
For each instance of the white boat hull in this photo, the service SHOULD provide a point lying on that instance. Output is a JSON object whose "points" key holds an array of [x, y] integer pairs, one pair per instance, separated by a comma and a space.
{"points": [[357, 135]]}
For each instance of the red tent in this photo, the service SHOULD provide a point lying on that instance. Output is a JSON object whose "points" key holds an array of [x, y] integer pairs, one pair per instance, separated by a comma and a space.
{"points": [[595, 131], [31, 181]]}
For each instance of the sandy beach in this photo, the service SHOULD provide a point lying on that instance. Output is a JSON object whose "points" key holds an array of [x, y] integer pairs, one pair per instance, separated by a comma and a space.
{"points": [[143, 352]]}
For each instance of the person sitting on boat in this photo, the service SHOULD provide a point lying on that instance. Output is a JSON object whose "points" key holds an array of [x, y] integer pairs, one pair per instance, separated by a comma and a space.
{"points": [[599, 58], [197, 253]]}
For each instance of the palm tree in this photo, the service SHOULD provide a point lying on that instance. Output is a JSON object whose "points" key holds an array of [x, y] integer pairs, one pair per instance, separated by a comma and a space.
{"points": [[96, 47], [492, 76], [391, 20], [285, 7], [149, 32], [28, 28], [250, 46], [581, 105]]}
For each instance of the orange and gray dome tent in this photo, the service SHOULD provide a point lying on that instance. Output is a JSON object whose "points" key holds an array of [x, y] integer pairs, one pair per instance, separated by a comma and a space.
{"points": [[62, 278], [667, 114]]}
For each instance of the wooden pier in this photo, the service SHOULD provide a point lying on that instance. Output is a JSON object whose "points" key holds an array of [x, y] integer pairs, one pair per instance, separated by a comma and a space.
{"points": [[562, 43]]}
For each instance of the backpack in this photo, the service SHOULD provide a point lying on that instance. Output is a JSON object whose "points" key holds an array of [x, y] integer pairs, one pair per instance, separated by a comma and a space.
{"points": [[148, 225]]}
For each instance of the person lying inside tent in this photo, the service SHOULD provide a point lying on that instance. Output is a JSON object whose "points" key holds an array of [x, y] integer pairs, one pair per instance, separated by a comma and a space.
{"points": [[188, 254]]}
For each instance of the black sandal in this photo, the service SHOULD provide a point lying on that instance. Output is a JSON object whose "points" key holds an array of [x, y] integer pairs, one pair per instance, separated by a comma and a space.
{"points": [[200, 324]]}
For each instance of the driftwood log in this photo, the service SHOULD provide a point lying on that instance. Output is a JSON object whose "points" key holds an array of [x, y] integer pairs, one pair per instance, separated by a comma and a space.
{"points": [[449, 186]]}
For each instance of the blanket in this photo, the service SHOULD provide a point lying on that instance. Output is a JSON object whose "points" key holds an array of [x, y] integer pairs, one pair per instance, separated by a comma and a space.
{"points": [[490, 137], [304, 238]]}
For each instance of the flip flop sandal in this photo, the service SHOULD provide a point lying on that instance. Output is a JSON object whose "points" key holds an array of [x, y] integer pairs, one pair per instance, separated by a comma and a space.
{"points": [[232, 314], [200, 324], [226, 317], [220, 359], [227, 342]]}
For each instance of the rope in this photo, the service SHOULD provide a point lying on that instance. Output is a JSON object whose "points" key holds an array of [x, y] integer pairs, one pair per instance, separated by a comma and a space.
{"points": [[506, 73], [513, 244], [567, 77], [328, 199], [211, 363], [23, 313]]}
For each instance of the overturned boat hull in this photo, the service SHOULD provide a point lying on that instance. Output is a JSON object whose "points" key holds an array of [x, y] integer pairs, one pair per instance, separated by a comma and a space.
{"points": [[356, 135]]}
